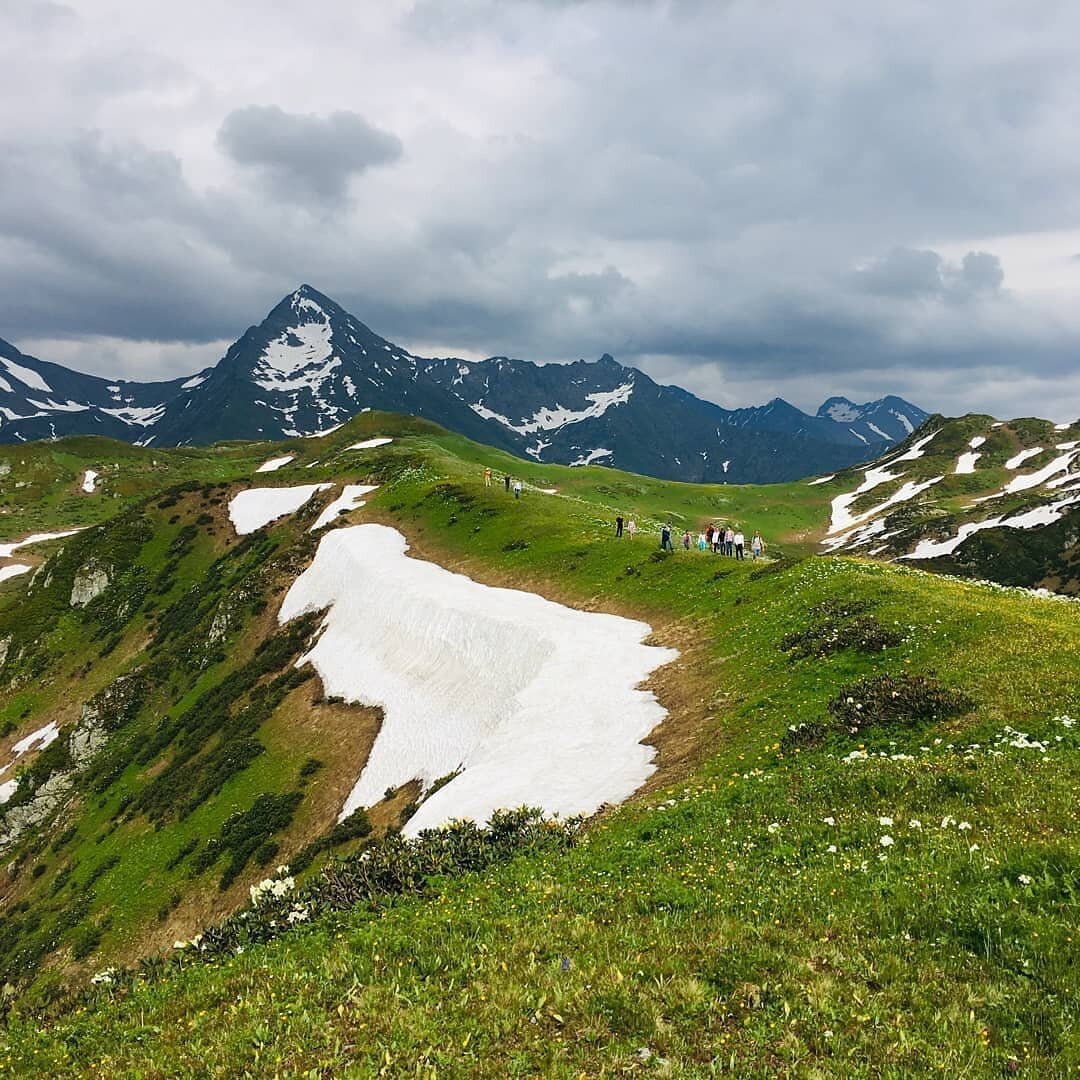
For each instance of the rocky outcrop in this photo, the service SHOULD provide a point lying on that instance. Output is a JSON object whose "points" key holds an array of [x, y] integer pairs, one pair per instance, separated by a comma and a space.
{"points": [[90, 582]]}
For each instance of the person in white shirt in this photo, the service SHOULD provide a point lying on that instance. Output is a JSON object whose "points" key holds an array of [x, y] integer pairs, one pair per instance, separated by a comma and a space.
{"points": [[757, 545], [740, 543]]}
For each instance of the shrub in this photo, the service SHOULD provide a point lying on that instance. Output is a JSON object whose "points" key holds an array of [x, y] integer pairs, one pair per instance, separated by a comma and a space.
{"points": [[837, 625], [895, 702]]}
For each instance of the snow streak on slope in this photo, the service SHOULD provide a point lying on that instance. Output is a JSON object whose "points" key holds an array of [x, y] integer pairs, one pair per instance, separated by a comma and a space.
{"points": [[1029, 519], [276, 463], [351, 498], [89, 480], [1018, 459], [13, 570], [534, 702], [966, 462], [553, 419], [252, 509], [6, 550], [591, 456], [370, 444]]}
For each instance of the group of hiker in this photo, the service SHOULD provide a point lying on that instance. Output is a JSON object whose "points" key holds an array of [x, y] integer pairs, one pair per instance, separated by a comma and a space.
{"points": [[720, 540], [508, 483]]}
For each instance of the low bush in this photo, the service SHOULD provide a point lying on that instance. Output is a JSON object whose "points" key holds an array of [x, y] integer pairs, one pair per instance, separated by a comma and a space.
{"points": [[893, 702]]}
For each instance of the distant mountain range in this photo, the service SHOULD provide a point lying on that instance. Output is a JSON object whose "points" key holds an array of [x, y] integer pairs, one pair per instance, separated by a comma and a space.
{"points": [[310, 365]]}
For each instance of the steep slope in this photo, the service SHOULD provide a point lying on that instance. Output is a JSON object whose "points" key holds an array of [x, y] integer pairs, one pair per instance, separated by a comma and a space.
{"points": [[310, 365], [970, 496], [839, 858]]}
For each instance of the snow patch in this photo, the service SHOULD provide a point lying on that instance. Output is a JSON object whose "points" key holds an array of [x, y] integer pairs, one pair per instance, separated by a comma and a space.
{"points": [[276, 463], [351, 498], [26, 376], [13, 570], [143, 416], [909, 427], [370, 444], [553, 419], [1018, 459], [843, 412], [37, 740], [965, 463], [256, 507], [195, 380], [6, 550], [591, 456], [821, 480], [89, 481], [535, 703], [855, 524]]}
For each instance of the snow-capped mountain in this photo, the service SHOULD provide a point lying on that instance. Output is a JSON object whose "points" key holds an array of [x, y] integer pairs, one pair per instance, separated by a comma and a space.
{"points": [[310, 365], [889, 419]]}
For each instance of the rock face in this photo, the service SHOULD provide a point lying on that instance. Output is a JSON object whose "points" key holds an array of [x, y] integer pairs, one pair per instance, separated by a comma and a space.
{"points": [[90, 582]]}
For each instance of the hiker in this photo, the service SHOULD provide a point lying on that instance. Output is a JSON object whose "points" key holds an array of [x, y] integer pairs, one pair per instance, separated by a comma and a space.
{"points": [[739, 541], [631, 528], [618, 525], [487, 478], [686, 540], [729, 540], [665, 538], [506, 481], [702, 543], [757, 545], [709, 535], [717, 539], [517, 489]]}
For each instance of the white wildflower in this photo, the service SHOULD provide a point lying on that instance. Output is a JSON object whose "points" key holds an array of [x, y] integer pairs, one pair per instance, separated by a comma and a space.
{"points": [[885, 821], [829, 820], [831, 849], [886, 841], [964, 826], [774, 827], [1024, 879], [914, 823]]}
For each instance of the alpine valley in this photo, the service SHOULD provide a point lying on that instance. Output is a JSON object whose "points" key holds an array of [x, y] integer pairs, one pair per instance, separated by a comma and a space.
{"points": [[309, 366]]}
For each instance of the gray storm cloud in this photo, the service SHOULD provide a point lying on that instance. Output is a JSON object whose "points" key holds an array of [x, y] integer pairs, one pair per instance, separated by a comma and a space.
{"points": [[306, 155], [751, 199]]}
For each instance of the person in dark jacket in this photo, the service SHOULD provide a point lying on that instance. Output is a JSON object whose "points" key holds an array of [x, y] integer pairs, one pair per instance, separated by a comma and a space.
{"points": [[618, 525], [665, 539]]}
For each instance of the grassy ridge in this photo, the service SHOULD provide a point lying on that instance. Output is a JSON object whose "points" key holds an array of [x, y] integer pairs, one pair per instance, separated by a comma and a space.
{"points": [[707, 926]]}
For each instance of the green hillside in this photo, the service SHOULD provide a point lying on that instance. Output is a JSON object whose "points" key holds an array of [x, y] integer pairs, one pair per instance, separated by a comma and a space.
{"points": [[857, 856]]}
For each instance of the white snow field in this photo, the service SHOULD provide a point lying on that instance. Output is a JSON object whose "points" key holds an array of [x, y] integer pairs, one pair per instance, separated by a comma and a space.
{"points": [[370, 444], [7, 550], [821, 480], [534, 702], [89, 481], [256, 507], [13, 570], [276, 463], [351, 498]]}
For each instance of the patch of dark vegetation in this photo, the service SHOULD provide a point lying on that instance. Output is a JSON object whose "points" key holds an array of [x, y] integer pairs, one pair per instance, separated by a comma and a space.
{"points": [[516, 545], [244, 834], [355, 827], [310, 767], [837, 625], [660, 556], [885, 704], [778, 567], [896, 702], [393, 867], [721, 574], [214, 739]]}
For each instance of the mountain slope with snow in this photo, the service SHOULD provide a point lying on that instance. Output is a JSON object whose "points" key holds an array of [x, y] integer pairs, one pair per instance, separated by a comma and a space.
{"points": [[310, 365], [970, 496]]}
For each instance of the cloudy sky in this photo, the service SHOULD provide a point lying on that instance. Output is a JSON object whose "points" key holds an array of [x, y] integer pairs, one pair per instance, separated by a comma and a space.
{"points": [[749, 198]]}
